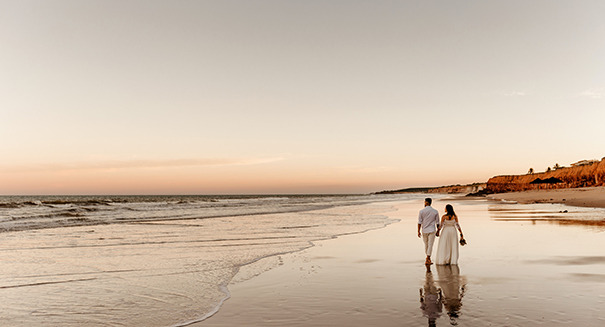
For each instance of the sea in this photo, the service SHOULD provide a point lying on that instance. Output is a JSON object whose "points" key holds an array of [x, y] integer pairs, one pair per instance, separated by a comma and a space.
{"points": [[156, 260], [37, 212]]}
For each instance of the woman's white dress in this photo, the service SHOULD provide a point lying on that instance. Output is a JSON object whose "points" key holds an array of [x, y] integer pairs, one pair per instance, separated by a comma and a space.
{"points": [[447, 250]]}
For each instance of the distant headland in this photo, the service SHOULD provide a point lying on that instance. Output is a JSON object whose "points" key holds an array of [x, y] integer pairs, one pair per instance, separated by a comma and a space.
{"points": [[584, 173], [448, 189]]}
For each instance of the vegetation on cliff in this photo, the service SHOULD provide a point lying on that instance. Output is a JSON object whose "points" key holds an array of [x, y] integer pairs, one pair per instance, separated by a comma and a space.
{"points": [[591, 173]]}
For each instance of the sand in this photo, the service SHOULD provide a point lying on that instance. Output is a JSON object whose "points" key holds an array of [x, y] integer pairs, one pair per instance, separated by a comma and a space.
{"points": [[583, 197], [520, 268]]}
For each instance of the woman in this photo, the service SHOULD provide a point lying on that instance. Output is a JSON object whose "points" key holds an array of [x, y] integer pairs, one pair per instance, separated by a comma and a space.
{"points": [[452, 290], [447, 250]]}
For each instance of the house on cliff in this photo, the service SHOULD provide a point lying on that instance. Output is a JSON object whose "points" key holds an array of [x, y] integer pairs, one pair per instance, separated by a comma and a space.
{"points": [[584, 163]]}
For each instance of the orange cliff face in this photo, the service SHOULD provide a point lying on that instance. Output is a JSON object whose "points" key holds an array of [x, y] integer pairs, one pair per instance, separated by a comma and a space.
{"points": [[581, 176]]}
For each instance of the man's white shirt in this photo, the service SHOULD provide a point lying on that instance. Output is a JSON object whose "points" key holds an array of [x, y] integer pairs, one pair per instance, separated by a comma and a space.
{"points": [[428, 217]]}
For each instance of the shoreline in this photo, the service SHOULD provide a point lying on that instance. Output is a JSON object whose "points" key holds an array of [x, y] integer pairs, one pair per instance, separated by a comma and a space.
{"points": [[246, 272], [374, 278], [295, 283], [593, 197], [167, 272]]}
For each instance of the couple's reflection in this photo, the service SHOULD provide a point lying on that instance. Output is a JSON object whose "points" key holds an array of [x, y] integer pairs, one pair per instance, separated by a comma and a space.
{"points": [[449, 294]]}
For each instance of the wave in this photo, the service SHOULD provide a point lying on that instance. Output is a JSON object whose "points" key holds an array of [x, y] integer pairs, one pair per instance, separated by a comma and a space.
{"points": [[83, 202], [10, 205], [23, 201], [52, 203], [66, 213], [29, 212]]}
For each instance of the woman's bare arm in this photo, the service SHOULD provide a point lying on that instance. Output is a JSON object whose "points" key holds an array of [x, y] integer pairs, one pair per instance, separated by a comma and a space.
{"points": [[458, 225]]}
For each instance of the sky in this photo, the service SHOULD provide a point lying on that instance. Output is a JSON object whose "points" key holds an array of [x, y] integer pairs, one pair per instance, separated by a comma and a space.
{"points": [[227, 97]]}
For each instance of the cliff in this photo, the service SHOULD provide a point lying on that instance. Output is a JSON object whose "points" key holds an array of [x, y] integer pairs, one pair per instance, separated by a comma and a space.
{"points": [[459, 189], [567, 177], [450, 189]]}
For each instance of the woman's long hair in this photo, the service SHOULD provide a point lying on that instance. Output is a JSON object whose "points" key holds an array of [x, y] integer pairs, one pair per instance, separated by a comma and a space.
{"points": [[450, 210]]}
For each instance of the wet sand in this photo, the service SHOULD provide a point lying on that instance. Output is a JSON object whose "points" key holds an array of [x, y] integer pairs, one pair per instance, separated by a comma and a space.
{"points": [[582, 197], [520, 268]]}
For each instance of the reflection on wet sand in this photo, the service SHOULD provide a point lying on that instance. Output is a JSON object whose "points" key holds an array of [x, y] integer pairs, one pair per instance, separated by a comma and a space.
{"points": [[449, 294], [452, 289], [430, 299], [571, 260], [572, 222], [560, 215]]}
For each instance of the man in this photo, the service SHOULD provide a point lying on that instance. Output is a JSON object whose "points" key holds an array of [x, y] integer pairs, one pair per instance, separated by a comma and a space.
{"points": [[428, 220], [431, 300]]}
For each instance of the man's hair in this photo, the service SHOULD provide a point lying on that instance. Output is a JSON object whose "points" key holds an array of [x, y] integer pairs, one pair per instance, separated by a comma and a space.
{"points": [[428, 200]]}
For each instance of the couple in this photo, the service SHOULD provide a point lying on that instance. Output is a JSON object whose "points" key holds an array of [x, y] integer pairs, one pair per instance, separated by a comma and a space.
{"points": [[447, 250]]}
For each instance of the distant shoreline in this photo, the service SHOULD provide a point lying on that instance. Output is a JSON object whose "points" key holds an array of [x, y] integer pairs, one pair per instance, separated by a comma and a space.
{"points": [[579, 197], [448, 189]]}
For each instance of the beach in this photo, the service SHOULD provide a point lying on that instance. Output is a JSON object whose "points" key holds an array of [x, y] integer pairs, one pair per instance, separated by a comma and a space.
{"points": [[520, 268], [355, 262], [582, 197]]}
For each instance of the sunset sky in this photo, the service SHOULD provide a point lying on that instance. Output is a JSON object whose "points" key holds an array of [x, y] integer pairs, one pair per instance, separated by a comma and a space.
{"points": [[207, 97]]}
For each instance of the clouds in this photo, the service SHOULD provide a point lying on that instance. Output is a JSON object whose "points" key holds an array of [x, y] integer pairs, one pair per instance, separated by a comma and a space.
{"points": [[594, 93], [515, 94], [365, 169], [137, 164]]}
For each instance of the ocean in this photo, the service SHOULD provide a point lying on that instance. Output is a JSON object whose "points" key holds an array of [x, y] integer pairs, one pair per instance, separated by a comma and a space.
{"points": [[37, 212], [155, 260]]}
